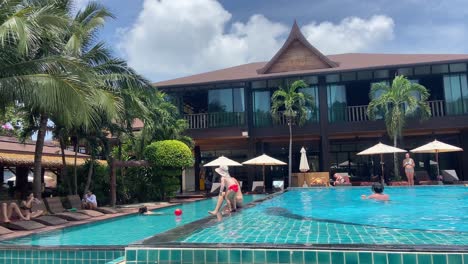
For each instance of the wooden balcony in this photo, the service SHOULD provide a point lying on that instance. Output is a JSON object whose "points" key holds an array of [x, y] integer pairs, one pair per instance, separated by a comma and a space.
{"points": [[358, 113], [215, 120]]}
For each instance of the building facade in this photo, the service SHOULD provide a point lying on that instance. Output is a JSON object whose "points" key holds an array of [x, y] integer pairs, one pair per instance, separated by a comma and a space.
{"points": [[228, 110]]}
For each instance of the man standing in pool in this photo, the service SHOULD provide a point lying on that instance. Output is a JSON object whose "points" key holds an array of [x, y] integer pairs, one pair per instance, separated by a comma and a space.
{"points": [[232, 187], [378, 194], [408, 165]]}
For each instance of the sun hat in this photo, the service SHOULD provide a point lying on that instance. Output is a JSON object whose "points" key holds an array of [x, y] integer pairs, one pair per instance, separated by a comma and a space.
{"points": [[223, 170]]}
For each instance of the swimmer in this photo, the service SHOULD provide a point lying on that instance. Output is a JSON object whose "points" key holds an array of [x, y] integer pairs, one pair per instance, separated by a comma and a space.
{"points": [[378, 194], [144, 211]]}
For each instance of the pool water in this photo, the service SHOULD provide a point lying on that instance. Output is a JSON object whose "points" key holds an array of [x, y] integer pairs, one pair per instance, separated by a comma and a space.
{"points": [[124, 230], [417, 216]]}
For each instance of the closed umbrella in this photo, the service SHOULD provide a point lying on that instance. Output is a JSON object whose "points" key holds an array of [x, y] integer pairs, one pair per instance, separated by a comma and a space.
{"points": [[436, 147], [381, 149], [264, 160], [222, 161], [304, 164]]}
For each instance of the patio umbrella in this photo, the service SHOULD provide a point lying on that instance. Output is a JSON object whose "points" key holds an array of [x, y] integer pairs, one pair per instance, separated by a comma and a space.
{"points": [[381, 149], [222, 161], [304, 164], [264, 160], [436, 147]]}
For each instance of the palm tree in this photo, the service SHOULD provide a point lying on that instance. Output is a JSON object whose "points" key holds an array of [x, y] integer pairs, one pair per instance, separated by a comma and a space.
{"points": [[294, 106], [397, 102]]}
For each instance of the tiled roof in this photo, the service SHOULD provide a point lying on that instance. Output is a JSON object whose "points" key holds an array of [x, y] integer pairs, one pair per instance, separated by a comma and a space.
{"points": [[346, 62]]}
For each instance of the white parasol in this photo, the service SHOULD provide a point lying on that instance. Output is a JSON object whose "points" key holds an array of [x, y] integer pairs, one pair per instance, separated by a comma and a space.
{"points": [[264, 160], [436, 147], [222, 161]]}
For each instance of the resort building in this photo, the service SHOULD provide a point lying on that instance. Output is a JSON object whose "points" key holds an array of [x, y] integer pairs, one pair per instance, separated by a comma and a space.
{"points": [[228, 110]]}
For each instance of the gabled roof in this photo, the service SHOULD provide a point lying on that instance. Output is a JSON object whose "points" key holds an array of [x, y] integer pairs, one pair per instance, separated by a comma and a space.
{"points": [[312, 58]]}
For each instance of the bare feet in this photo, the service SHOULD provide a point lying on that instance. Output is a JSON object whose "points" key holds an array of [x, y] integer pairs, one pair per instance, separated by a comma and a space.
{"points": [[212, 212]]}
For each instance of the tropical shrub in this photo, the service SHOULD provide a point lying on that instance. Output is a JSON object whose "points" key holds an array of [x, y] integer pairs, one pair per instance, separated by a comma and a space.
{"points": [[167, 158]]}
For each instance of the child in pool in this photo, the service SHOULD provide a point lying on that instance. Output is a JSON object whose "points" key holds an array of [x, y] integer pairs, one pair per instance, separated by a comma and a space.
{"points": [[378, 194]]}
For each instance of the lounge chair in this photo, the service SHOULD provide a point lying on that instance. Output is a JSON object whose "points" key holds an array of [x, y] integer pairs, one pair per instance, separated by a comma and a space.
{"points": [[75, 202], [48, 220], [4, 231], [258, 186], [22, 224], [450, 176], [278, 186], [56, 208]]}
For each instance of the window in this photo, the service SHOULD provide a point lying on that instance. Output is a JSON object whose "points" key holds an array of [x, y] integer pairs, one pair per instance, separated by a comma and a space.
{"points": [[442, 68], [311, 80], [336, 99], [364, 75], [348, 76], [313, 113], [259, 84], [422, 70], [262, 103], [381, 74], [275, 83], [331, 78], [458, 67], [226, 100], [405, 71], [456, 94]]}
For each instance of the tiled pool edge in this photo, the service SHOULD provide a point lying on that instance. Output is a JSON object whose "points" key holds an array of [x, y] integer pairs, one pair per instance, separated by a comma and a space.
{"points": [[59, 255], [141, 255]]}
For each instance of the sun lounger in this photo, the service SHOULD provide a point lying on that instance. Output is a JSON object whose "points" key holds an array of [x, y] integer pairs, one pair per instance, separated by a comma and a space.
{"points": [[48, 220], [75, 202], [257, 186], [23, 225], [56, 208], [4, 231], [450, 176], [278, 186]]}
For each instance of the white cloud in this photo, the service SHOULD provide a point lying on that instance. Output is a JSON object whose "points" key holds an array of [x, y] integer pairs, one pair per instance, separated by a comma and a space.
{"points": [[352, 34], [173, 38]]}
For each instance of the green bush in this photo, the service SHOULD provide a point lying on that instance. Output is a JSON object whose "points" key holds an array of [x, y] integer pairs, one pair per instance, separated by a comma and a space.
{"points": [[169, 153], [167, 158]]}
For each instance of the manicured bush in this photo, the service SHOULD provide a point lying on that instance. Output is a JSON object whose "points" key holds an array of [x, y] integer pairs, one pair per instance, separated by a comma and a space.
{"points": [[167, 159], [169, 153]]}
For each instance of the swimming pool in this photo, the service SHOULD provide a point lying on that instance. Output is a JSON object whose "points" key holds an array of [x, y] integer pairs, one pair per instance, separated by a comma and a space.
{"points": [[123, 230], [414, 216]]}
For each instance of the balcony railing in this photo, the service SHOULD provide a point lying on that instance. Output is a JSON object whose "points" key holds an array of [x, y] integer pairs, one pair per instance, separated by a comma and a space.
{"points": [[265, 119], [214, 120], [358, 113]]}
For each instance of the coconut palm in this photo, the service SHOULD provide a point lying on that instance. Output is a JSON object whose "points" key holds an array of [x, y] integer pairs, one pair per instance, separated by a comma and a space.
{"points": [[294, 106], [398, 102]]}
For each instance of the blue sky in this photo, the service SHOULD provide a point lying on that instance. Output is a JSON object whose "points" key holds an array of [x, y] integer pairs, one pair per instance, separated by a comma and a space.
{"points": [[164, 39]]}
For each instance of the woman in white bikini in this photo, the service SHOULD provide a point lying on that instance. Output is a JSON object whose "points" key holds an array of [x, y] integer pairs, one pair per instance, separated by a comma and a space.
{"points": [[408, 165]]}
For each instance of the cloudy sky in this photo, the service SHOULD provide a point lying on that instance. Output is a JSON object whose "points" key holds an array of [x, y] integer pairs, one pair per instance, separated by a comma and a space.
{"points": [[165, 39]]}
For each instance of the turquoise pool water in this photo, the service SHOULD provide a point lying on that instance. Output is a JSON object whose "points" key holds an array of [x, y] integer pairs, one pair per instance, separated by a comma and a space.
{"points": [[421, 215], [123, 230]]}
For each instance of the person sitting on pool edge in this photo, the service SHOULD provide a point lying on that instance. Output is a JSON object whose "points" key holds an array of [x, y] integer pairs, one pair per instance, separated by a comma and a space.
{"points": [[378, 194], [239, 199]]}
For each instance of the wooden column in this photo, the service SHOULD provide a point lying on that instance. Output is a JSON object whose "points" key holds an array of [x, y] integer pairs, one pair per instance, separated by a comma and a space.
{"points": [[323, 113]]}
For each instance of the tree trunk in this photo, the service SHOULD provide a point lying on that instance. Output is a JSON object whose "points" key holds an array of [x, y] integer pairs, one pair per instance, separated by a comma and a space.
{"points": [[290, 154], [75, 169], [37, 183], [396, 173], [90, 174], [64, 177]]}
